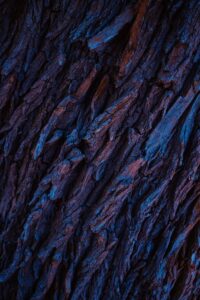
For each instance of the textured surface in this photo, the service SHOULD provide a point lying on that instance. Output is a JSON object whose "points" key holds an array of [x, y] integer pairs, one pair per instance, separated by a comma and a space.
{"points": [[99, 150]]}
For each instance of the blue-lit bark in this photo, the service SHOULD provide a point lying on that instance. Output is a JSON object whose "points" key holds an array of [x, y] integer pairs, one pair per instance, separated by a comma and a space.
{"points": [[100, 150]]}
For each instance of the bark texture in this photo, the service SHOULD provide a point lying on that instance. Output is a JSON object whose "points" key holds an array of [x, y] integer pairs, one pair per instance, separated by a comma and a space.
{"points": [[100, 149]]}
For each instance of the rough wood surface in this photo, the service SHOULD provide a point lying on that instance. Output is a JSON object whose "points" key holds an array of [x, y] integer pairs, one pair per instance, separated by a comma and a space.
{"points": [[100, 149]]}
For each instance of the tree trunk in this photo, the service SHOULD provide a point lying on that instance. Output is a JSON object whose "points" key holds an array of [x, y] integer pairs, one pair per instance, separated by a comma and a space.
{"points": [[99, 149]]}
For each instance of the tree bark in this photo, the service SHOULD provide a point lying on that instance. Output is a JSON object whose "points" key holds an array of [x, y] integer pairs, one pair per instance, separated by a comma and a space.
{"points": [[100, 149]]}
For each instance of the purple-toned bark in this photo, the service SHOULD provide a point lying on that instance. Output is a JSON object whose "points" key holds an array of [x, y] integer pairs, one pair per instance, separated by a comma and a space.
{"points": [[100, 150]]}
